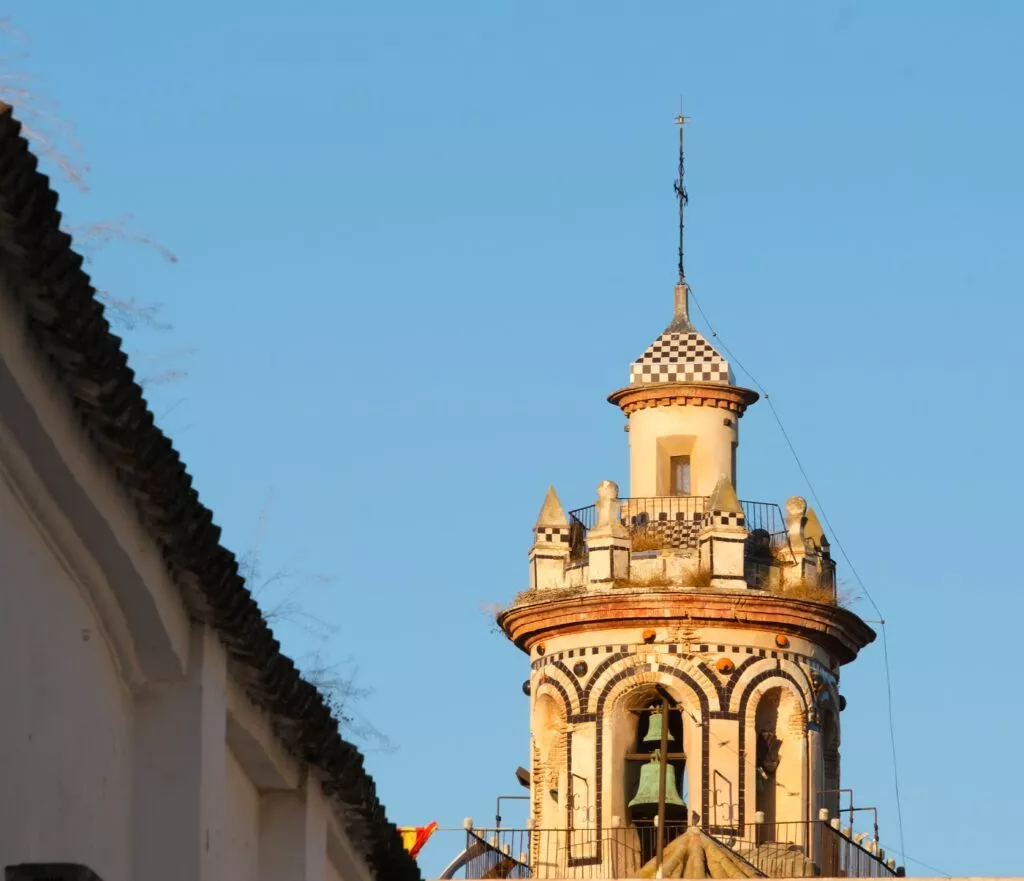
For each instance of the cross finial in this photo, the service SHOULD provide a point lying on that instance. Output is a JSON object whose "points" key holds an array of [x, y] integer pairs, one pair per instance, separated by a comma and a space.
{"points": [[681, 195]]}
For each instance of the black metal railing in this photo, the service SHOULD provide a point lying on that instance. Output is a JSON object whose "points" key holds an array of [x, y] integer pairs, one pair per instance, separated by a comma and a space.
{"points": [[662, 522], [765, 517], [777, 850], [581, 521], [802, 849], [766, 526], [491, 853], [841, 856], [557, 853]]}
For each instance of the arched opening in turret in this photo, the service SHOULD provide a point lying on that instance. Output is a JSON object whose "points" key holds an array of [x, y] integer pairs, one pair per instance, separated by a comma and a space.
{"points": [[639, 724], [779, 727]]}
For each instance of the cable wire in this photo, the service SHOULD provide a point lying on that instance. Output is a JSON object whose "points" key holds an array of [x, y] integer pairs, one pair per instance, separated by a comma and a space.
{"points": [[846, 557], [910, 859]]}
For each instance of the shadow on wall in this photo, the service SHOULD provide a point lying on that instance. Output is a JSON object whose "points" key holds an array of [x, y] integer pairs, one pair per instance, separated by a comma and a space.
{"points": [[50, 872]]}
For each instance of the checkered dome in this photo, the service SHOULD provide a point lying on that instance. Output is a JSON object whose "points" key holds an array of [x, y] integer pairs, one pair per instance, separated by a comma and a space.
{"points": [[680, 356]]}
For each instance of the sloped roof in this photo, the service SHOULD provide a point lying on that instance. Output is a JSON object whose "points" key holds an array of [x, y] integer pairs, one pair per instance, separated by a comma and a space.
{"points": [[66, 322]]}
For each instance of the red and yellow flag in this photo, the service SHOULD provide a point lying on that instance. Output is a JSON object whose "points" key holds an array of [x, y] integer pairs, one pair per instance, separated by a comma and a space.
{"points": [[414, 837]]}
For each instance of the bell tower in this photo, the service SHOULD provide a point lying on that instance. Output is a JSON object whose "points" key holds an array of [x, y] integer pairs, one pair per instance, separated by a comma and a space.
{"points": [[685, 648]]}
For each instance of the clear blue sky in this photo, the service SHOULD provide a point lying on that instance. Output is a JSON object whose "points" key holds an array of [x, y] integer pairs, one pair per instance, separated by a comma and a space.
{"points": [[420, 242]]}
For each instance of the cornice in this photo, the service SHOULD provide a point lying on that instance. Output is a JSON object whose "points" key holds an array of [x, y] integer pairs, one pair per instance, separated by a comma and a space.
{"points": [[842, 633], [676, 394]]}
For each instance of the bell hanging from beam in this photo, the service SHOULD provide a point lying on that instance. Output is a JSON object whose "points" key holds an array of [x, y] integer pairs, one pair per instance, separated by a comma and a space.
{"points": [[647, 791], [653, 735]]}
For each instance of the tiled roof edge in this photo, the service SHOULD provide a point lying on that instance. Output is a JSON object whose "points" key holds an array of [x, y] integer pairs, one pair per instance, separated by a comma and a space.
{"points": [[66, 322]]}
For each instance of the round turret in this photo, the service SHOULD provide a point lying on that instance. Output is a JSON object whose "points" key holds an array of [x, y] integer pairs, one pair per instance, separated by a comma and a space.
{"points": [[680, 636]]}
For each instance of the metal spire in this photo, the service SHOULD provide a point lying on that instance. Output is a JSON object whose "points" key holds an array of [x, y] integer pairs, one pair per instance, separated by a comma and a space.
{"points": [[681, 194]]}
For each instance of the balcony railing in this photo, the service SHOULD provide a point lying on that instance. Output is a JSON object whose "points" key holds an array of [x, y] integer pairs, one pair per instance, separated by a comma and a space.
{"points": [[803, 849], [843, 857], [674, 522], [491, 853], [774, 850]]}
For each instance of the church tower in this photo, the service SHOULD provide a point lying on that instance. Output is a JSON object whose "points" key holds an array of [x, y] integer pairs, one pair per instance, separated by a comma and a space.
{"points": [[685, 651]]}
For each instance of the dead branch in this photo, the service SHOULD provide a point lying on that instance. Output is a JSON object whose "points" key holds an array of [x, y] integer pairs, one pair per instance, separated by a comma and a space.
{"points": [[279, 593]]}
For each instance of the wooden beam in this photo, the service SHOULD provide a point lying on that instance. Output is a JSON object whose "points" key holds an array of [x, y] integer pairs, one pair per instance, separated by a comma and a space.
{"points": [[646, 757]]}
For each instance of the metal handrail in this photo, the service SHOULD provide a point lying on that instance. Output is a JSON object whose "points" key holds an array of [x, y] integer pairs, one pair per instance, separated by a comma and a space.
{"points": [[773, 849], [674, 521]]}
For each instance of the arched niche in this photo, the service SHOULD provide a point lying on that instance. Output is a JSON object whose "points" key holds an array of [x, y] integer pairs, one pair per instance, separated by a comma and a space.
{"points": [[548, 777], [779, 760], [627, 722]]}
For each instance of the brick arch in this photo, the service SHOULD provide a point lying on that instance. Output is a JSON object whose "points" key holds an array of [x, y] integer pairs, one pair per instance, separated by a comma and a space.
{"points": [[549, 684], [801, 672], [778, 677], [640, 674], [740, 686], [607, 673], [571, 680]]}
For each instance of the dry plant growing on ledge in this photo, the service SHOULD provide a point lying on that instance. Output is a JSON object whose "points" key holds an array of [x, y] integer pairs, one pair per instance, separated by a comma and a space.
{"points": [[699, 576], [657, 579], [816, 593], [806, 590], [644, 539], [544, 595]]}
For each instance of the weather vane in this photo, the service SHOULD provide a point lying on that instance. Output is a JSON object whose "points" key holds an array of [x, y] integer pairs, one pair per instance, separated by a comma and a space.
{"points": [[680, 188]]}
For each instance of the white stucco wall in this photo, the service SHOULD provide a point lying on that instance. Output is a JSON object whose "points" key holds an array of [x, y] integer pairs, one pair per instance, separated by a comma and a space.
{"points": [[65, 738], [705, 434], [125, 745], [332, 874], [242, 825], [70, 723]]}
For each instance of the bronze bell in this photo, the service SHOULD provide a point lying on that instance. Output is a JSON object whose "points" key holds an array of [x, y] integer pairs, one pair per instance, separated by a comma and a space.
{"points": [[647, 791], [653, 734]]}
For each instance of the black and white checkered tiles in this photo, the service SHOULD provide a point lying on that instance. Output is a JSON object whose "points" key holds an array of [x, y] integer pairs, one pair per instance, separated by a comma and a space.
{"points": [[675, 533], [679, 357], [724, 518], [553, 534]]}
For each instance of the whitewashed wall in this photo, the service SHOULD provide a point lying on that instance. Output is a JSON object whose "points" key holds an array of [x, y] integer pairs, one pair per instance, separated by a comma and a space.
{"points": [[124, 743], [65, 714], [242, 826]]}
